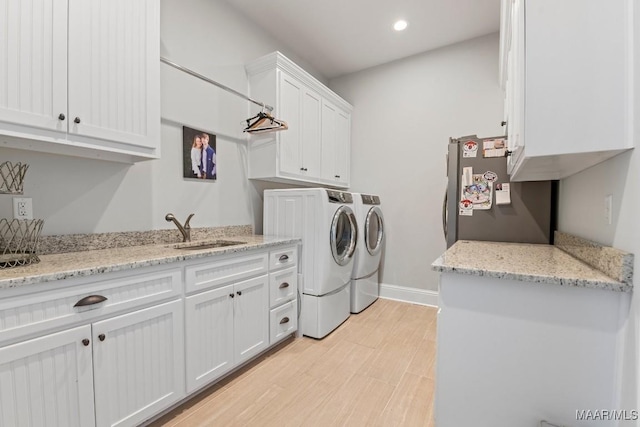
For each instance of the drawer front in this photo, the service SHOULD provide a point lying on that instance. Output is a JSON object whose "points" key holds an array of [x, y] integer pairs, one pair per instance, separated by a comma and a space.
{"points": [[283, 257], [283, 321], [218, 273], [283, 286], [34, 313]]}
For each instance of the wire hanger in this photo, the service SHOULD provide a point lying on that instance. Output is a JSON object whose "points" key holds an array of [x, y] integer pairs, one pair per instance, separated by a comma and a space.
{"points": [[264, 122]]}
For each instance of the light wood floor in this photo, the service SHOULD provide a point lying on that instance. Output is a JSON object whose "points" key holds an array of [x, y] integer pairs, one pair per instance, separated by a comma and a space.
{"points": [[376, 369]]}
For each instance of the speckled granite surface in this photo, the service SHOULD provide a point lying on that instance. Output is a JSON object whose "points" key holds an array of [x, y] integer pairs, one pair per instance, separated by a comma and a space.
{"points": [[611, 261], [90, 262], [526, 262], [90, 242]]}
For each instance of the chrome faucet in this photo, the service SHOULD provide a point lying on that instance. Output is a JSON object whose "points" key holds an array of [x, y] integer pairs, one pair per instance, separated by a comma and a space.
{"points": [[186, 230]]}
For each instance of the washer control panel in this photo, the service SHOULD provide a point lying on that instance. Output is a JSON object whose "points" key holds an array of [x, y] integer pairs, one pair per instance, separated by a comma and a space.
{"points": [[370, 200], [339, 197]]}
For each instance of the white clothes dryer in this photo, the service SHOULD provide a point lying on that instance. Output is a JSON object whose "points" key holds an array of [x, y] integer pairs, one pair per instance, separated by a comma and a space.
{"points": [[365, 276], [325, 221]]}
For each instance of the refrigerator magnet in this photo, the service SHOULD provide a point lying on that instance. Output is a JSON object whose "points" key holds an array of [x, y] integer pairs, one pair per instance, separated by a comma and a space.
{"points": [[490, 176], [493, 147], [470, 149], [503, 194], [466, 207]]}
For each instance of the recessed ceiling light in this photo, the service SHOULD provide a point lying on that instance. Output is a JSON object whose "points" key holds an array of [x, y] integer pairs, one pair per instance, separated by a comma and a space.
{"points": [[400, 25]]}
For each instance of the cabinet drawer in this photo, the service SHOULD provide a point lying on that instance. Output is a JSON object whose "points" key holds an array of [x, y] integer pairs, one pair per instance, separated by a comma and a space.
{"points": [[284, 321], [283, 286], [284, 257], [30, 314], [221, 272]]}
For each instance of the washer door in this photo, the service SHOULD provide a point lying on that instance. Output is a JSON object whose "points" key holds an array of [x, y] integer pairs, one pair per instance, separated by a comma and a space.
{"points": [[374, 230], [344, 235]]}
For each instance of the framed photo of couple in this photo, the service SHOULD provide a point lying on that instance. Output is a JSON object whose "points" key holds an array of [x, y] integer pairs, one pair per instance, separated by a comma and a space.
{"points": [[199, 154]]}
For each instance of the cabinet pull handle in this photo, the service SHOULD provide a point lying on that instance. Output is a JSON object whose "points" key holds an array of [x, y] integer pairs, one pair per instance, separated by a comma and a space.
{"points": [[85, 342], [503, 123], [102, 337], [337, 176], [61, 117], [231, 295], [239, 293], [283, 285], [284, 320], [507, 153], [76, 120], [283, 258], [90, 300]]}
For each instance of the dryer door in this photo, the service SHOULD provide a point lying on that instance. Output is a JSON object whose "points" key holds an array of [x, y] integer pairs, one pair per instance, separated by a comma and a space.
{"points": [[344, 235], [374, 230]]}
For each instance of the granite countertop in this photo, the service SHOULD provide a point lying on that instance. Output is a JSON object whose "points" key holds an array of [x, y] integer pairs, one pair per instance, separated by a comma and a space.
{"points": [[87, 263], [525, 262]]}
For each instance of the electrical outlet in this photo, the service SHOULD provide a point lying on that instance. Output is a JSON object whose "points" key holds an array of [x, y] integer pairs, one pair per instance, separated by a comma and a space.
{"points": [[22, 208], [608, 208]]}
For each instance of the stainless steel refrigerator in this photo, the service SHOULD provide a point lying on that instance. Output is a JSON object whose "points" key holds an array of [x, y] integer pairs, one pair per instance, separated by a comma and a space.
{"points": [[529, 218]]}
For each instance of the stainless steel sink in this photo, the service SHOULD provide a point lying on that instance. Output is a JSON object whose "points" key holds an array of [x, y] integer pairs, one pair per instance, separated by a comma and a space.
{"points": [[209, 244]]}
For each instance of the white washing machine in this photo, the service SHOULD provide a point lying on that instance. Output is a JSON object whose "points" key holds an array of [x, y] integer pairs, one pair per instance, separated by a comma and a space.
{"points": [[365, 276], [325, 221]]}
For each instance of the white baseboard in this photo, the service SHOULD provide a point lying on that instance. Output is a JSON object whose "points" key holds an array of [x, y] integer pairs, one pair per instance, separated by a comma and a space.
{"points": [[412, 295]]}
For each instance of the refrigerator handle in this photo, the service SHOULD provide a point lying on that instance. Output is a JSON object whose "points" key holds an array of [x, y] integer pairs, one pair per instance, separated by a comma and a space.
{"points": [[444, 214]]}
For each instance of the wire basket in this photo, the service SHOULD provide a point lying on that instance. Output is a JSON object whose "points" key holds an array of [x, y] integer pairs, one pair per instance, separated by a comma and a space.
{"points": [[12, 177], [19, 241]]}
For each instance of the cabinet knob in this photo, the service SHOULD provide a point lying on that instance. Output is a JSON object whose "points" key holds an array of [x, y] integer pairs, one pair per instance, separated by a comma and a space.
{"points": [[85, 342], [61, 117], [284, 320], [503, 123], [231, 295], [239, 293], [102, 337], [283, 285], [76, 120]]}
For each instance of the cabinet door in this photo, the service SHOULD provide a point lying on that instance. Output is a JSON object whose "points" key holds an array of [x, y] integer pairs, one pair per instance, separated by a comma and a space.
{"points": [[336, 144], [138, 364], [114, 70], [251, 317], [48, 381], [33, 63], [343, 148], [310, 141], [209, 336], [329, 118], [289, 109]]}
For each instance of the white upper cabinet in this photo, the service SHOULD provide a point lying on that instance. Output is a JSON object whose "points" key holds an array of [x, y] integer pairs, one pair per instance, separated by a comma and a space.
{"points": [[316, 147], [81, 77], [567, 71], [336, 137]]}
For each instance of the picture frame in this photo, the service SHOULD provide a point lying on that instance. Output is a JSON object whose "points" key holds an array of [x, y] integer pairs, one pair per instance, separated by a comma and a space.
{"points": [[199, 154]]}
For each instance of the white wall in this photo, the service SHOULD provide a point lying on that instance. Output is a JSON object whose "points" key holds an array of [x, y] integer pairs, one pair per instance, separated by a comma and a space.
{"points": [[75, 195], [581, 212], [404, 113]]}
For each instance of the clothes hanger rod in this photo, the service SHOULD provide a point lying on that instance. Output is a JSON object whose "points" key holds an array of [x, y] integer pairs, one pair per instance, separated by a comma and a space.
{"points": [[215, 83]]}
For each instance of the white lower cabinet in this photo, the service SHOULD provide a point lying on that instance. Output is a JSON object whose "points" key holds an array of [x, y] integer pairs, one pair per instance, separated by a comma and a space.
{"points": [[138, 362], [119, 349], [48, 381], [225, 327]]}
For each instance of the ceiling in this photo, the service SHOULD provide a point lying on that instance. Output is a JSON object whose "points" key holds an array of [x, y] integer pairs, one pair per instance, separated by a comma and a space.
{"points": [[338, 37]]}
